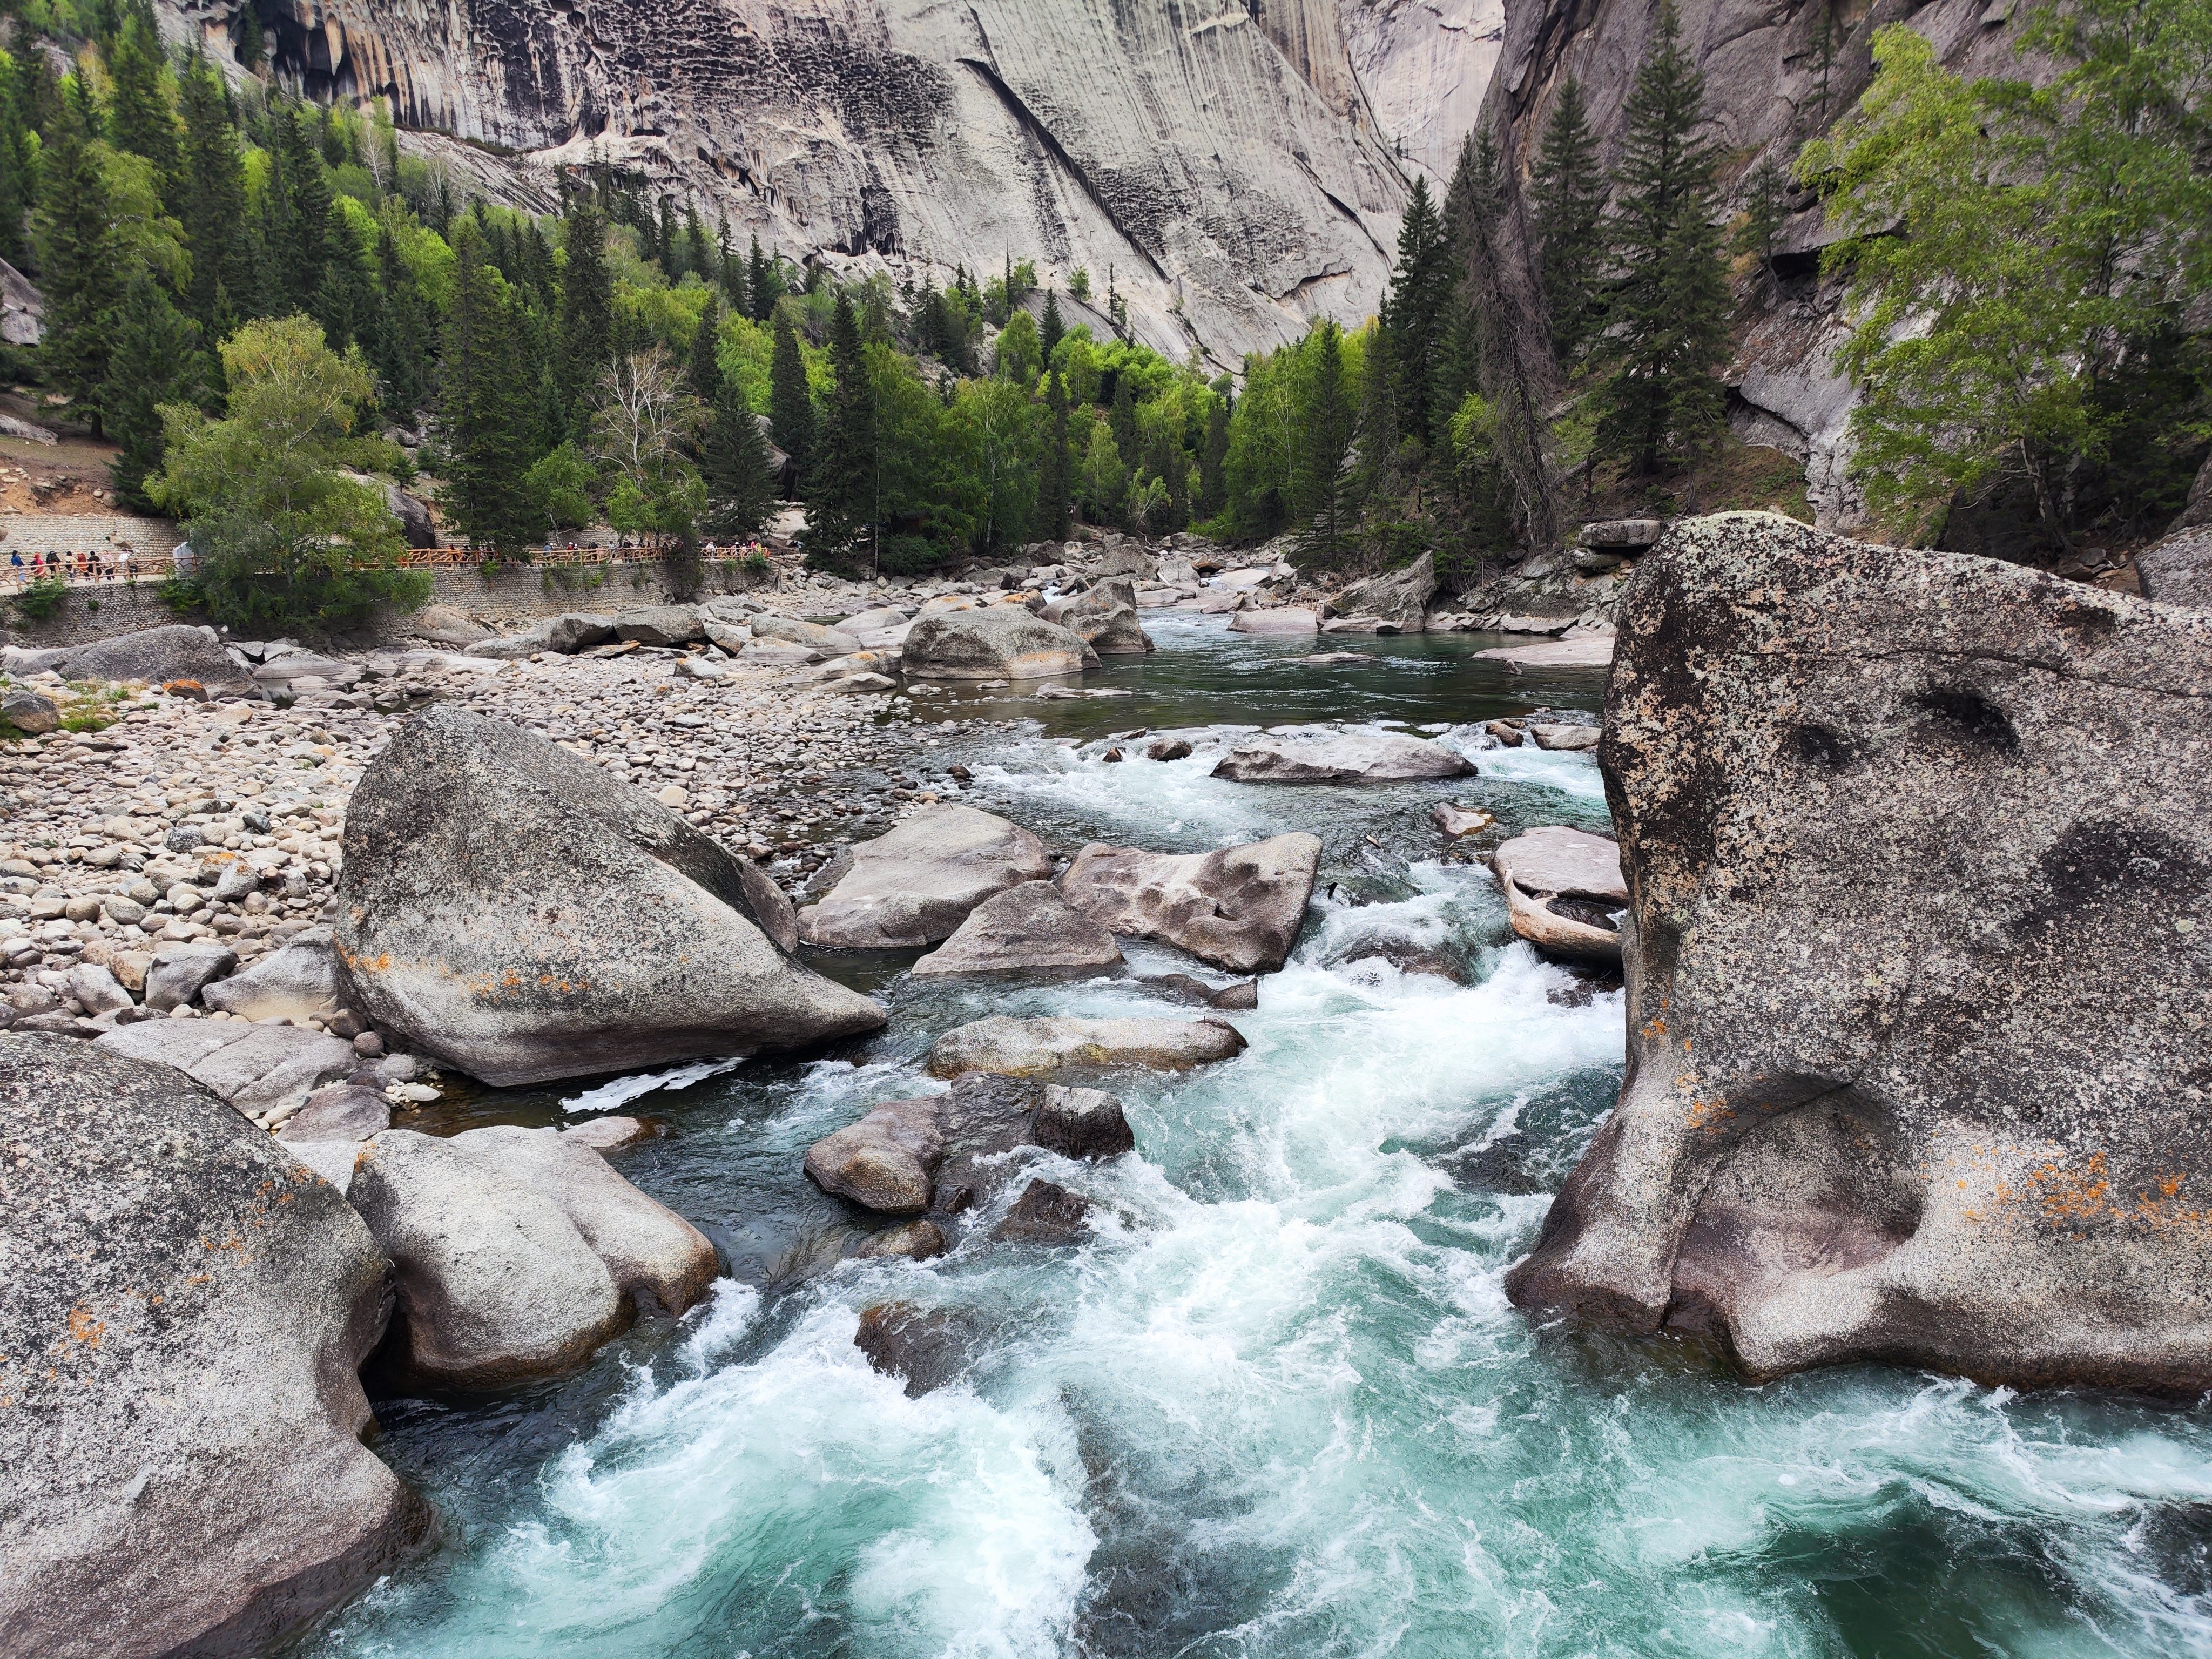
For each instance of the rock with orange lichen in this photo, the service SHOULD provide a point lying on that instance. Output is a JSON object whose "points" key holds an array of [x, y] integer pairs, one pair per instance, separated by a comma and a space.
{"points": [[507, 908], [1919, 965], [181, 1465]]}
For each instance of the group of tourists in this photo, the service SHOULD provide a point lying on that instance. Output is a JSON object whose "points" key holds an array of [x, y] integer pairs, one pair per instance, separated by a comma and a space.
{"points": [[85, 565]]}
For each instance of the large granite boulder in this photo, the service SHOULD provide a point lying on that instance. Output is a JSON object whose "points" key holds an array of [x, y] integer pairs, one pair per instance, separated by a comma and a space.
{"points": [[913, 885], [1104, 617], [1026, 929], [2178, 570], [830, 642], [508, 908], [1397, 602], [448, 624], [1919, 963], [181, 1465], [886, 1160], [1036, 1048], [997, 642], [257, 1069], [660, 625], [156, 655], [1343, 757], [1238, 908], [1562, 889]]}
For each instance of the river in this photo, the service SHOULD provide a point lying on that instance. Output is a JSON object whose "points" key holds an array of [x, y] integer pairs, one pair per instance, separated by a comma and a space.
{"points": [[1278, 1404]]}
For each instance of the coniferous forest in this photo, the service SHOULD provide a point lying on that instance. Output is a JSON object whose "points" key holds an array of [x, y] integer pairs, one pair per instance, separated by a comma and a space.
{"points": [[221, 264]]}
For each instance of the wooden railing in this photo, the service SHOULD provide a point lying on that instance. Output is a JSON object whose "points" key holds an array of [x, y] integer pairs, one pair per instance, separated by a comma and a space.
{"points": [[109, 567]]}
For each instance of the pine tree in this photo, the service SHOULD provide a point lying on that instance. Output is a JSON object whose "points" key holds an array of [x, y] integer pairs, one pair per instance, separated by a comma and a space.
{"points": [[251, 44], [761, 285], [345, 304], [1671, 307], [79, 256], [157, 360], [213, 202], [1052, 328], [1567, 191], [705, 369], [1419, 314], [790, 403], [1320, 481], [485, 398], [841, 502], [587, 307], [1054, 479], [698, 251], [1763, 211], [403, 323], [300, 212], [664, 237], [735, 464], [139, 117], [1214, 461]]}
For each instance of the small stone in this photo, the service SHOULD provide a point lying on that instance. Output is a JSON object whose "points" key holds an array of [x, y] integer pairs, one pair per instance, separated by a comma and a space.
{"points": [[673, 795], [419, 1093], [1460, 820], [368, 1045], [185, 838]]}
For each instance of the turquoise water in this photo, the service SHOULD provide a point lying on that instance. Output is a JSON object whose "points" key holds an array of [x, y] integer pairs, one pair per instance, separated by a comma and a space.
{"points": [[1277, 1405]]}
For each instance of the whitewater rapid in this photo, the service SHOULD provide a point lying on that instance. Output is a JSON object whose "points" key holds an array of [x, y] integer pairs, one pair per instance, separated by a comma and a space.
{"points": [[1277, 1404]]}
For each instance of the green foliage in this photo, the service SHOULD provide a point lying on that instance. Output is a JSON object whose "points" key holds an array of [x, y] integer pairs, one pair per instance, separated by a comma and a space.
{"points": [[1662, 399], [42, 597], [211, 202], [791, 401], [559, 484], [1079, 284], [80, 253], [491, 420], [842, 493], [2055, 238], [1322, 503], [734, 464], [1763, 209], [1019, 353], [284, 537]]}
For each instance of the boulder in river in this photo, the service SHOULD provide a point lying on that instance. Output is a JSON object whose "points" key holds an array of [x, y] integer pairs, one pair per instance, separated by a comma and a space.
{"points": [[1238, 908], [915, 884], [1397, 599], [1035, 1048], [1917, 969], [1105, 617], [155, 655], [998, 643], [1572, 738], [1027, 929], [1341, 757], [885, 1161], [510, 909], [1082, 1124], [181, 1465], [792, 630], [1284, 620], [1045, 1213]]}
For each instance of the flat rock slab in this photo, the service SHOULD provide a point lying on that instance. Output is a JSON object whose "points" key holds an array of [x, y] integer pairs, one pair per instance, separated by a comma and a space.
{"points": [[1917, 969], [1033, 1048], [1239, 908], [1029, 928], [257, 1068], [1573, 863], [1285, 619], [1575, 738], [1583, 651], [914, 885], [343, 1111], [507, 908], [1348, 757], [181, 1465]]}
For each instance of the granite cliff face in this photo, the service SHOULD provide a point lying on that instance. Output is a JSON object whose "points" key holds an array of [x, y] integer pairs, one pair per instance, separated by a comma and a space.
{"points": [[1776, 75], [1224, 160]]}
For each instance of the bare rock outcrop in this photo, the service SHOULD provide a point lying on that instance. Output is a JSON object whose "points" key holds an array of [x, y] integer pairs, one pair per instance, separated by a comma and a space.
{"points": [[1920, 848], [181, 1465], [508, 908]]}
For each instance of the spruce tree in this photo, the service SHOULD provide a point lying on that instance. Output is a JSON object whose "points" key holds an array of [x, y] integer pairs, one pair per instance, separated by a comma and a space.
{"points": [[790, 403], [760, 284], [1321, 481], [403, 320], [705, 369], [1052, 328], [80, 258], [485, 398], [157, 360], [1670, 309], [212, 207], [1214, 461], [1054, 475], [587, 306], [1419, 314], [734, 462], [18, 169], [1122, 416], [300, 212], [1567, 191], [139, 117], [1763, 211], [698, 251], [840, 502]]}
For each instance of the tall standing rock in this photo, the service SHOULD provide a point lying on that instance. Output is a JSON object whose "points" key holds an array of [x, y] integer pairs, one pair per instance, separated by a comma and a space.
{"points": [[1919, 967], [181, 1469], [507, 908]]}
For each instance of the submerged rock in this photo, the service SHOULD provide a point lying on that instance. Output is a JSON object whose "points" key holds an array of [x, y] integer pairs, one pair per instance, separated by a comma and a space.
{"points": [[1045, 1213], [1238, 908], [181, 1465], [1029, 928], [1030, 1048], [925, 1348], [1344, 757], [1001, 641], [510, 909], [1917, 969], [916, 884]]}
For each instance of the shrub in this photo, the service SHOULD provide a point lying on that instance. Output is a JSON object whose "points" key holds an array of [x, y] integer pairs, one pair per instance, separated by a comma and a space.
{"points": [[43, 598]]}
